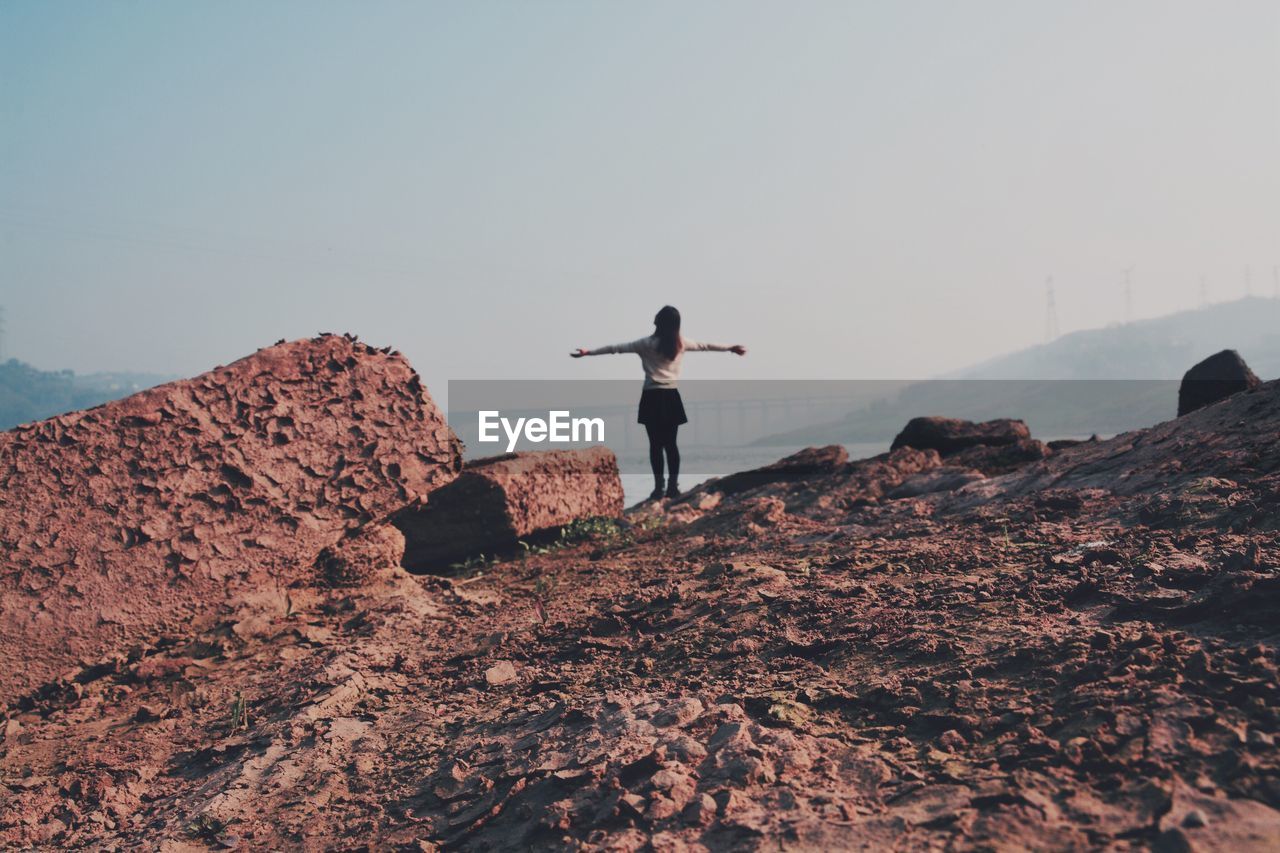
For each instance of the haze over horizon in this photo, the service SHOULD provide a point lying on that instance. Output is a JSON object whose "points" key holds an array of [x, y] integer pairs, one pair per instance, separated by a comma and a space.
{"points": [[851, 190]]}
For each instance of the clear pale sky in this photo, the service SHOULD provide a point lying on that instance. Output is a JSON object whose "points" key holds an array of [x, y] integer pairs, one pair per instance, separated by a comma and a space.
{"points": [[851, 189]]}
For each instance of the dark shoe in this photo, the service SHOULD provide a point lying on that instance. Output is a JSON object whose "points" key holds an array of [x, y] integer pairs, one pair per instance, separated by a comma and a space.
{"points": [[656, 495], [673, 491]]}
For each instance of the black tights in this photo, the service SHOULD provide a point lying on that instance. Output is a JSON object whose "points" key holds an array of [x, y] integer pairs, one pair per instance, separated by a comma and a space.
{"points": [[663, 438]]}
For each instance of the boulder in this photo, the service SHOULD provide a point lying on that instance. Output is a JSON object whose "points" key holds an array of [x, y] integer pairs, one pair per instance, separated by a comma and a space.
{"points": [[136, 520], [1217, 377], [1001, 459], [951, 435], [862, 482], [871, 479], [500, 500], [945, 478], [801, 465]]}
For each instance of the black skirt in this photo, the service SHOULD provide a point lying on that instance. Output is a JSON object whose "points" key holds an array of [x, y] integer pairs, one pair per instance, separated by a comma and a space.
{"points": [[661, 407]]}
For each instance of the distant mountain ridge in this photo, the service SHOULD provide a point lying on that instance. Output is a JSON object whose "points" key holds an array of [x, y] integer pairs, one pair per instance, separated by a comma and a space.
{"points": [[30, 394], [1158, 348], [1069, 387]]}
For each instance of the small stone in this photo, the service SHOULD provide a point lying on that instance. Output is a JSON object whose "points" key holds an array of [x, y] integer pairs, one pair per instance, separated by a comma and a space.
{"points": [[685, 749], [701, 810], [952, 741], [746, 770], [666, 779], [633, 801], [660, 808], [733, 802], [503, 672], [679, 713], [1195, 819], [1261, 740], [147, 714], [726, 733]]}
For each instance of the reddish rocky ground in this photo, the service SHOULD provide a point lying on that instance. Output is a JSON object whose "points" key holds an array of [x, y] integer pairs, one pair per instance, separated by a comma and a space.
{"points": [[1079, 654]]}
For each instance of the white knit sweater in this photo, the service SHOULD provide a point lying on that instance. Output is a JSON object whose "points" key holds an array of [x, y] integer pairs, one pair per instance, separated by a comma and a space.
{"points": [[659, 371]]}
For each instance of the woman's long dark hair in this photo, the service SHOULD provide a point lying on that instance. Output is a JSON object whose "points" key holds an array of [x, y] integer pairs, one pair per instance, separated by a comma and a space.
{"points": [[667, 330]]}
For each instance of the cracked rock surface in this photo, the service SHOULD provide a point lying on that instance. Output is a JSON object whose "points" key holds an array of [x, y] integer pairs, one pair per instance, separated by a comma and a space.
{"points": [[124, 523], [1077, 654]]}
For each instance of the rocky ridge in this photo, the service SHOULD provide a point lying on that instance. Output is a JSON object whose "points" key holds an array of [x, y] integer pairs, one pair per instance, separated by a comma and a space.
{"points": [[1073, 651]]}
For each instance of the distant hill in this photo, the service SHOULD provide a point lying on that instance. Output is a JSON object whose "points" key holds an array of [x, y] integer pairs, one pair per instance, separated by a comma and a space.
{"points": [[29, 394], [1160, 348], [1072, 386]]}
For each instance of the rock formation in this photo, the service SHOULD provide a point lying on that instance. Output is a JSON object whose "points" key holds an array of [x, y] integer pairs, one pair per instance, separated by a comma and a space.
{"points": [[502, 499], [951, 435], [944, 478], [993, 460], [125, 522], [1217, 377], [810, 462], [889, 653]]}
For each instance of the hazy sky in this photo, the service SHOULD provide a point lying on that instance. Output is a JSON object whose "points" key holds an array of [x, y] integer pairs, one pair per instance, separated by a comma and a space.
{"points": [[852, 189]]}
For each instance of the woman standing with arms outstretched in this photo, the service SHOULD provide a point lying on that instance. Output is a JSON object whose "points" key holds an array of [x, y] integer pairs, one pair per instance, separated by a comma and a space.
{"points": [[661, 409]]}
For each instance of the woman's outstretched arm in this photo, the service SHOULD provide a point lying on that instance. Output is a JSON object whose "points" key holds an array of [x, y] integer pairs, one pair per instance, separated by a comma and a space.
{"points": [[630, 346], [698, 346]]}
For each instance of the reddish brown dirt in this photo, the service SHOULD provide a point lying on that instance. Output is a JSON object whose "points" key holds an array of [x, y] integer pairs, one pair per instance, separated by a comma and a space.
{"points": [[123, 524], [1080, 654]]}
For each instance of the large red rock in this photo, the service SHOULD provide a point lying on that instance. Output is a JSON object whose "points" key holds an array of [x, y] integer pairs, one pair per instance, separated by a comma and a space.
{"points": [[951, 435], [1001, 458], [132, 521], [1216, 378], [500, 500], [803, 464]]}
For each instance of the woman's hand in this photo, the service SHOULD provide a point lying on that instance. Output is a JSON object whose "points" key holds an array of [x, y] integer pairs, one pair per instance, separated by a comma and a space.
{"points": [[738, 349], [578, 353]]}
